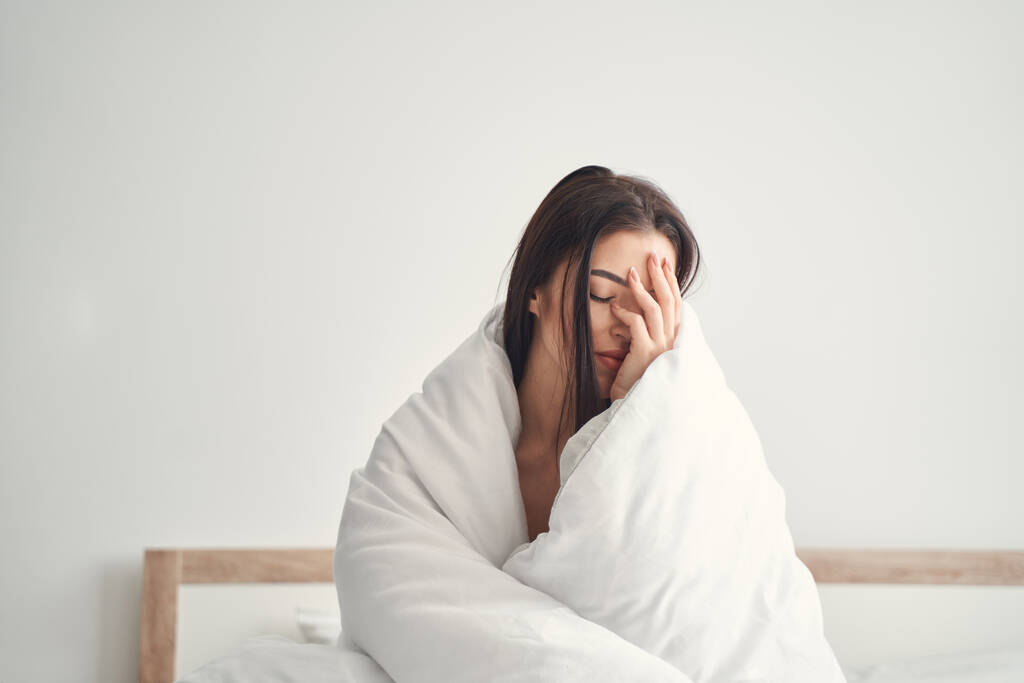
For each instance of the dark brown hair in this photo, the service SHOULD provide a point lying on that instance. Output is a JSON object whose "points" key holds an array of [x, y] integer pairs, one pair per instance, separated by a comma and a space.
{"points": [[584, 206]]}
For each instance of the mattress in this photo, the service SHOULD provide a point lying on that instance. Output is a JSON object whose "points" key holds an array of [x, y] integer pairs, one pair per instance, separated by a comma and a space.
{"points": [[277, 659]]}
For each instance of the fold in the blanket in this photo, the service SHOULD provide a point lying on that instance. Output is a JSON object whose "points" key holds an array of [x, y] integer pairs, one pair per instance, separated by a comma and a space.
{"points": [[668, 557]]}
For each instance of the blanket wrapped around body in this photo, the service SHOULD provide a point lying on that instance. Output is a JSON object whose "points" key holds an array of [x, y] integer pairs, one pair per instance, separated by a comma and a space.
{"points": [[668, 555]]}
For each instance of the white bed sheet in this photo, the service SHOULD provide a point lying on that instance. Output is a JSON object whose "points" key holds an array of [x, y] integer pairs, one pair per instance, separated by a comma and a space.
{"points": [[991, 666], [277, 659]]}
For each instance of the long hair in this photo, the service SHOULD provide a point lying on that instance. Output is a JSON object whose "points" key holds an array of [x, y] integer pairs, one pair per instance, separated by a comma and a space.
{"points": [[583, 207]]}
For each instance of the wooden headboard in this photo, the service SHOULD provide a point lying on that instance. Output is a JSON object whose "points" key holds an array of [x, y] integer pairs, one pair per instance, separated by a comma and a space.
{"points": [[166, 569]]}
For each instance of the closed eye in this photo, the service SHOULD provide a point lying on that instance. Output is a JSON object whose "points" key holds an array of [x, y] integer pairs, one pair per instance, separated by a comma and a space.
{"points": [[607, 299]]}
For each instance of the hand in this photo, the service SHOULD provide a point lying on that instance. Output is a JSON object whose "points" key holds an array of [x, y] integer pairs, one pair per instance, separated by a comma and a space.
{"points": [[652, 333]]}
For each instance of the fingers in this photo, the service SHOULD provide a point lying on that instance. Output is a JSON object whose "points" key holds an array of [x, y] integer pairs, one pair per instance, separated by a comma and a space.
{"points": [[652, 308], [637, 326], [662, 313], [677, 299], [660, 277], [652, 312]]}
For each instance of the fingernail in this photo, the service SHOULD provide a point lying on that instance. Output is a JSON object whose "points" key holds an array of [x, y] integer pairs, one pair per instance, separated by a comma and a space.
{"points": [[632, 273]]}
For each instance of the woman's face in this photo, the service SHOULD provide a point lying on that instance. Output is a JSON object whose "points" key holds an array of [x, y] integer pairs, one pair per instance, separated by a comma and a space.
{"points": [[610, 262]]}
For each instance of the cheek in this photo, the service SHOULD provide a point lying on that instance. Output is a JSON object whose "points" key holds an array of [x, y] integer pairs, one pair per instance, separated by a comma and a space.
{"points": [[600, 328], [600, 315]]}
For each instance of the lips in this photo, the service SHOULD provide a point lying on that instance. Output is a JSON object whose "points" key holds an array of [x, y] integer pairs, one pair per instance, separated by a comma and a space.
{"points": [[614, 353], [609, 361]]}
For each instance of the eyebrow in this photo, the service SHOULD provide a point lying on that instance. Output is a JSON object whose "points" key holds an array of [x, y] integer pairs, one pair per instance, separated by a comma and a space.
{"points": [[611, 276]]}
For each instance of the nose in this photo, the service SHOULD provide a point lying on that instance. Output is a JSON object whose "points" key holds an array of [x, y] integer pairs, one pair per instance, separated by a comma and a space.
{"points": [[620, 328]]}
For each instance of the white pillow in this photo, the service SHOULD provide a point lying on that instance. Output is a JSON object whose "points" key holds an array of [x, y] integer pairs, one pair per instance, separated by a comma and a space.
{"points": [[318, 625]]}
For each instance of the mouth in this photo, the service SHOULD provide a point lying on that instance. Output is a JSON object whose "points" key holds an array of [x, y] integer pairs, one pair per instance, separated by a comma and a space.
{"points": [[608, 361]]}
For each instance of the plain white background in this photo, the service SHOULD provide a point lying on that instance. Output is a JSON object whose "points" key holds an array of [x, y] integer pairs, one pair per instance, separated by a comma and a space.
{"points": [[234, 237]]}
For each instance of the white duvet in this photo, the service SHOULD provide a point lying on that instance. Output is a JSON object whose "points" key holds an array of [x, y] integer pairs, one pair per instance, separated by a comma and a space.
{"points": [[668, 556]]}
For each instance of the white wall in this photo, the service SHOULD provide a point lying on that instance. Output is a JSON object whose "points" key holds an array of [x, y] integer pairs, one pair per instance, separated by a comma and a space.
{"points": [[234, 238]]}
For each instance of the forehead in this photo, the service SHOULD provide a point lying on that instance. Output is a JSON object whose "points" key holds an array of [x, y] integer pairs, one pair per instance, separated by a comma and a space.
{"points": [[625, 248]]}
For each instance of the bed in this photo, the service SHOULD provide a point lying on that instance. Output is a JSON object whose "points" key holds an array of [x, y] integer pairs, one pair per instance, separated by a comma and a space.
{"points": [[977, 636]]}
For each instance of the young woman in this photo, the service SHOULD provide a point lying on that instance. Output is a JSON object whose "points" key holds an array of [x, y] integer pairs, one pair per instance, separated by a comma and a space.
{"points": [[666, 557], [579, 328]]}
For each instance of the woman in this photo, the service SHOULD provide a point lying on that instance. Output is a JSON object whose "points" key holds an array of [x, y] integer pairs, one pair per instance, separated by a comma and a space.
{"points": [[666, 557], [592, 230]]}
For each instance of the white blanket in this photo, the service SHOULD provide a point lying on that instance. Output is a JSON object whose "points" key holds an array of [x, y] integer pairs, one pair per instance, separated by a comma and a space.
{"points": [[668, 556]]}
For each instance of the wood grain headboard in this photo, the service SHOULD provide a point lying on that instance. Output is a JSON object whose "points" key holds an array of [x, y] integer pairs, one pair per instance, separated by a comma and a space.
{"points": [[165, 569]]}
